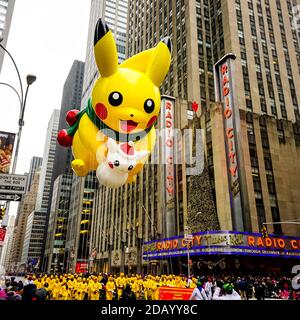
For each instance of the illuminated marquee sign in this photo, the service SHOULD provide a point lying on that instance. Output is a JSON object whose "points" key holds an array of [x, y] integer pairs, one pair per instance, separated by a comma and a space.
{"points": [[168, 140], [225, 88], [228, 121], [224, 242]]}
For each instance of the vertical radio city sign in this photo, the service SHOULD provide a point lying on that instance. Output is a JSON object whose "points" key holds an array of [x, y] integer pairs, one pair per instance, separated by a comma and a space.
{"points": [[167, 152], [229, 125], [225, 93], [167, 126]]}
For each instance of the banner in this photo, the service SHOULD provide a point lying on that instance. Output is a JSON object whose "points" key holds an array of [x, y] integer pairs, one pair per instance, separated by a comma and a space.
{"points": [[171, 293], [81, 267], [7, 140], [2, 235]]}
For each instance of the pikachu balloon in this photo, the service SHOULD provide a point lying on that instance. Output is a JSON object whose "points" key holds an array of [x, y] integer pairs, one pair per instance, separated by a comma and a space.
{"points": [[124, 106]]}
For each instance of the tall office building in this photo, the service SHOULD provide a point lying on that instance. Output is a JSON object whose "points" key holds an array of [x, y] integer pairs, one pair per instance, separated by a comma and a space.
{"points": [[62, 174], [27, 205], [266, 78], [46, 177], [35, 165], [71, 99], [33, 245], [43, 201], [6, 12], [57, 227], [114, 12]]}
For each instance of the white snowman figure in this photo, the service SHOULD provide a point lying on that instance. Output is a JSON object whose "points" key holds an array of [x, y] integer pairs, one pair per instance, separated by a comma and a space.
{"points": [[121, 159]]}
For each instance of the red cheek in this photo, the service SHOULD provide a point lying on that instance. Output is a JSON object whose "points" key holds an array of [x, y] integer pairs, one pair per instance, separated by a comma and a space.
{"points": [[101, 111], [151, 121], [111, 165]]}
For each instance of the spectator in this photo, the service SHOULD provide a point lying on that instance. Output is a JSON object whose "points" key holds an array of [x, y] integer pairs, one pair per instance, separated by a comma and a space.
{"points": [[242, 288], [229, 293], [28, 293], [198, 293], [12, 295], [259, 290], [42, 294]]}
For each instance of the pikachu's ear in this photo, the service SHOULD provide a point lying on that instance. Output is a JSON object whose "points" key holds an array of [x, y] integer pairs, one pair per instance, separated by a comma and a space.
{"points": [[105, 50], [159, 62]]}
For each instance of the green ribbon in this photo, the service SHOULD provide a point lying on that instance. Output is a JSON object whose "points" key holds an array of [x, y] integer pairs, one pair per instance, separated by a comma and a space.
{"points": [[105, 129]]}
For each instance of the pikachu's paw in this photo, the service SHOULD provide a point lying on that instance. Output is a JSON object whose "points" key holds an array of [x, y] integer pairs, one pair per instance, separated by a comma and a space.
{"points": [[80, 167], [131, 179], [139, 167]]}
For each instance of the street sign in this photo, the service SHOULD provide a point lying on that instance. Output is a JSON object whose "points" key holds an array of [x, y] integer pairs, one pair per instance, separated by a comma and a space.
{"points": [[10, 197], [12, 184]]}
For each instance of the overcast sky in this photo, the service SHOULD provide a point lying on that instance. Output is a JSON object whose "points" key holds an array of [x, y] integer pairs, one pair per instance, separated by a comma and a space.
{"points": [[45, 38]]}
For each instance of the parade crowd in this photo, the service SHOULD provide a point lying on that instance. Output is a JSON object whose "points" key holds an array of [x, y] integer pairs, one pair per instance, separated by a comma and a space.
{"points": [[144, 287]]}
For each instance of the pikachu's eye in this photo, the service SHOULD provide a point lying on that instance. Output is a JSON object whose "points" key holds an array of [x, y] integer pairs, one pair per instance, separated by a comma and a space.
{"points": [[115, 98], [149, 105]]}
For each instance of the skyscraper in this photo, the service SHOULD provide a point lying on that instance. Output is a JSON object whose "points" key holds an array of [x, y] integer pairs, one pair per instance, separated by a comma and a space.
{"points": [[71, 99], [62, 174], [27, 205], [42, 208], [33, 245], [57, 227], [114, 13], [46, 179], [6, 12], [35, 165]]}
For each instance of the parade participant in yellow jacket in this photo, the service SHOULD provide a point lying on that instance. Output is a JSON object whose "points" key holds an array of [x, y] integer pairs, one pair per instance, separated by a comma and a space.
{"points": [[149, 287], [171, 281], [180, 282], [77, 288], [110, 287], [193, 283], [82, 288], [135, 288], [71, 285], [55, 290], [64, 292], [94, 287], [121, 283], [156, 285], [38, 283]]}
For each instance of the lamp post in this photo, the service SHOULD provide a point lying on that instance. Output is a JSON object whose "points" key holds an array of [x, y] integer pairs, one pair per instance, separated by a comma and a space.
{"points": [[29, 79]]}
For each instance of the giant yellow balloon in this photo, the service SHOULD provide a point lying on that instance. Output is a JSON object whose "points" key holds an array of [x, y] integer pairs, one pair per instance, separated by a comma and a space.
{"points": [[124, 107]]}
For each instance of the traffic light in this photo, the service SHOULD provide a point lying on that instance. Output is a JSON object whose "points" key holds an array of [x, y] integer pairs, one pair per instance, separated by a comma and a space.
{"points": [[264, 232], [2, 212]]}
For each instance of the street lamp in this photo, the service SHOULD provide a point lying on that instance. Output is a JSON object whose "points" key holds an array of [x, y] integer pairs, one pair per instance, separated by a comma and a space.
{"points": [[30, 80]]}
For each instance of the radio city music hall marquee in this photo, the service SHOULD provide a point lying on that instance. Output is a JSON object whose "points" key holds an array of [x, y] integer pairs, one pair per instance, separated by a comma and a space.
{"points": [[224, 242]]}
